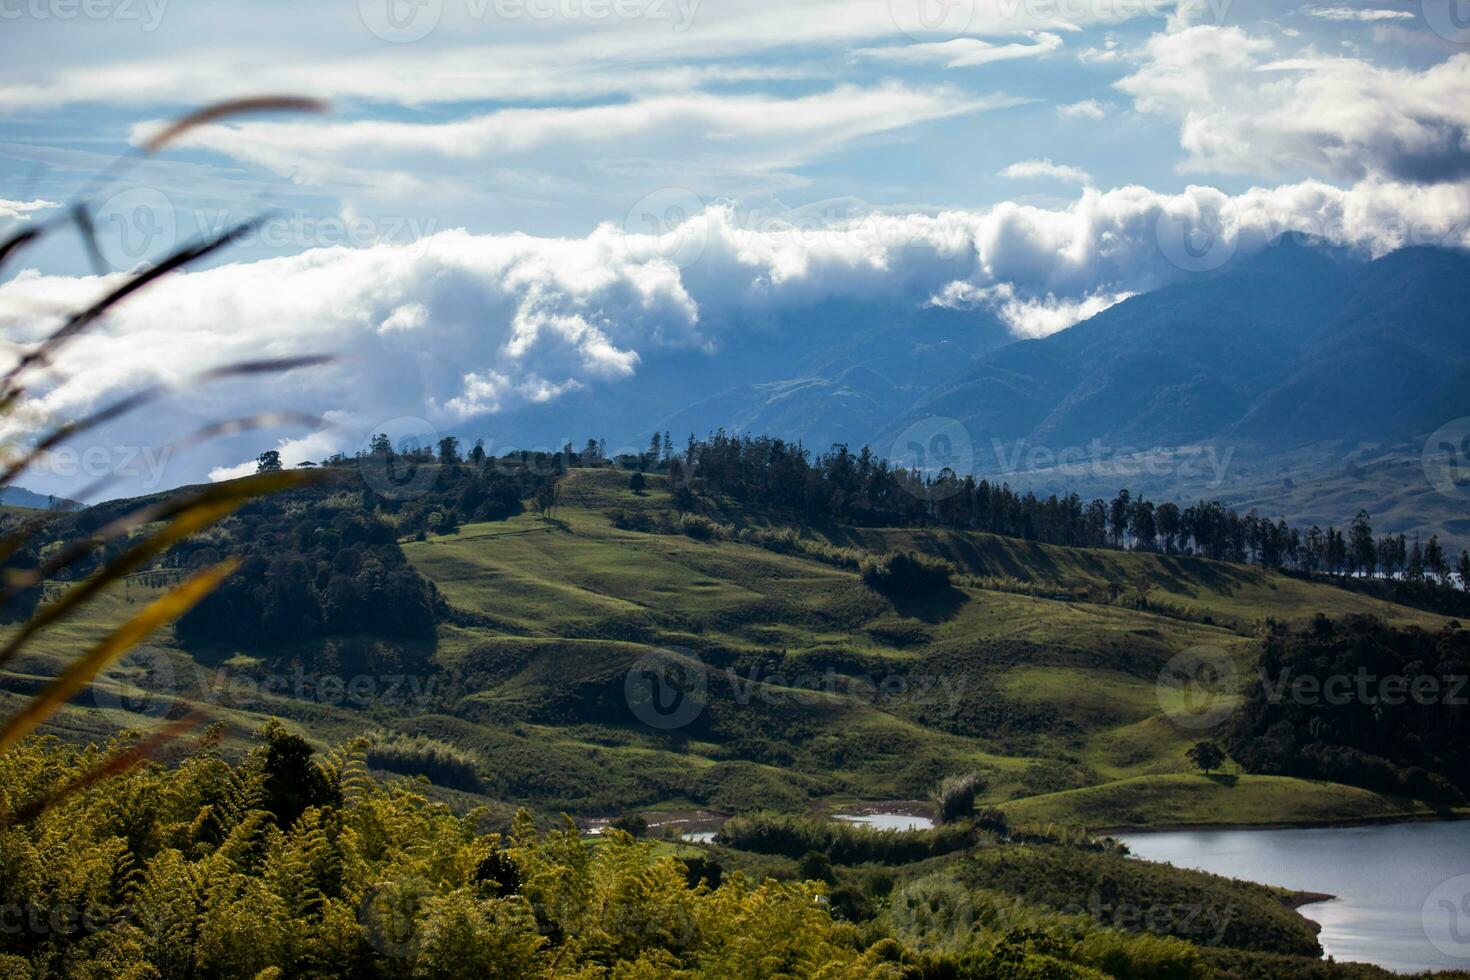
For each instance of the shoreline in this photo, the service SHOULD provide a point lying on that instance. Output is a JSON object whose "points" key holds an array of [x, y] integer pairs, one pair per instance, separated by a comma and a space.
{"points": [[1177, 828], [1296, 899]]}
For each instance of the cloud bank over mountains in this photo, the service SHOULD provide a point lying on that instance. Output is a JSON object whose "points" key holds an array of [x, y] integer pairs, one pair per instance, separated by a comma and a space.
{"points": [[457, 324]]}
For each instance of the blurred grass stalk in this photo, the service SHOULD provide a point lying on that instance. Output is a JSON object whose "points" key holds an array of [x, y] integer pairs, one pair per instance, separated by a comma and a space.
{"points": [[177, 518]]}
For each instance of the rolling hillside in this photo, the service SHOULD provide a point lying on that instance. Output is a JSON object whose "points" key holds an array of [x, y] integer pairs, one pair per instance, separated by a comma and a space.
{"points": [[1039, 670]]}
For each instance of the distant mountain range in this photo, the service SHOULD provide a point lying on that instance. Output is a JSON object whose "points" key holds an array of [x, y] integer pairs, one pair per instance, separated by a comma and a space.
{"points": [[1296, 354], [21, 497], [1299, 346], [838, 371]]}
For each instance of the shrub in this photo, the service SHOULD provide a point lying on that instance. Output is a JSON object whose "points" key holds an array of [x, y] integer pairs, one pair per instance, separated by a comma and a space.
{"points": [[631, 824], [441, 763], [630, 520], [698, 527], [842, 843], [905, 573], [815, 866], [954, 799], [1144, 957]]}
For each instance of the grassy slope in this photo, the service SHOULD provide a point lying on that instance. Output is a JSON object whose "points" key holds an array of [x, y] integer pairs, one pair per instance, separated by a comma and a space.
{"points": [[1056, 700], [1095, 681], [1178, 798]]}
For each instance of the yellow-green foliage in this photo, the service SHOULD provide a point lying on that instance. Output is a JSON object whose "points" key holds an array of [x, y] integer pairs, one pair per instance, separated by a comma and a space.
{"points": [[187, 872], [283, 866]]}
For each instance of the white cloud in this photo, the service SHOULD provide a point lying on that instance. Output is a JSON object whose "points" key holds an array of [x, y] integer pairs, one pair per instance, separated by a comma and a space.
{"points": [[484, 323], [1045, 169], [718, 136], [21, 210], [1363, 14], [409, 316], [1244, 108], [1027, 317], [534, 59], [964, 52], [1086, 109]]}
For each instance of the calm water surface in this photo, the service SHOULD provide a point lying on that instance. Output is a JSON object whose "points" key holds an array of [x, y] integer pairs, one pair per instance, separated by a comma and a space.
{"points": [[887, 821], [1403, 890]]}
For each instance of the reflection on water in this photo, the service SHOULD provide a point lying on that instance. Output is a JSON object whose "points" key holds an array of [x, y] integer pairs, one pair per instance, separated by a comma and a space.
{"points": [[1400, 901], [887, 821]]}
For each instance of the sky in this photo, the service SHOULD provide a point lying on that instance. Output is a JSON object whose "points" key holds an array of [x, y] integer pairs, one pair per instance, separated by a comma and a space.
{"points": [[508, 200]]}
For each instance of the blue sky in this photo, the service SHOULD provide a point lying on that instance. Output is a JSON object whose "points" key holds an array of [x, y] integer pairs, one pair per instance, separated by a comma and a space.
{"points": [[505, 180], [868, 105]]}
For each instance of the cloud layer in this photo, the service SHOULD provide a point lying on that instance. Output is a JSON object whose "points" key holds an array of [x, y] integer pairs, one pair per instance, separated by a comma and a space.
{"points": [[1244, 109], [457, 324], [680, 139]]}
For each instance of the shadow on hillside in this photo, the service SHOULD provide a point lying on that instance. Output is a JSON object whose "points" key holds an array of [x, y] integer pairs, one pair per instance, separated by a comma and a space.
{"points": [[344, 655], [1212, 575], [931, 609]]}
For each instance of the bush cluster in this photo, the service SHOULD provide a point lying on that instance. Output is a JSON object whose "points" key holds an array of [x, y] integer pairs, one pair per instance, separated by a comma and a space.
{"points": [[906, 574]]}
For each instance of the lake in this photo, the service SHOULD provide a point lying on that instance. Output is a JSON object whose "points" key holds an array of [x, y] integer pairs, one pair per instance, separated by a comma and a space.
{"points": [[1403, 890]]}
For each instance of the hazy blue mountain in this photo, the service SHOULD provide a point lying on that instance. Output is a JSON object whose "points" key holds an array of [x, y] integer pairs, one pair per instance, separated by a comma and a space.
{"points": [[1297, 346], [838, 371], [21, 497], [1390, 362]]}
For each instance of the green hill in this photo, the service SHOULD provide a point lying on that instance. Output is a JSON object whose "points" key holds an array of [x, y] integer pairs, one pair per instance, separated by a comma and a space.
{"points": [[1039, 668], [534, 637]]}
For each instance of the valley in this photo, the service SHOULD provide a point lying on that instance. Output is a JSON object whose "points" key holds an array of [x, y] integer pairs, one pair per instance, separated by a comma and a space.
{"points": [[1036, 670], [655, 673]]}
